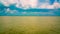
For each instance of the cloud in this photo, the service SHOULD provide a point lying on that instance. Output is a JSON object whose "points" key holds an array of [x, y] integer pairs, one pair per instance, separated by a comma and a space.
{"points": [[48, 6], [31, 3], [28, 3], [8, 2], [57, 5]]}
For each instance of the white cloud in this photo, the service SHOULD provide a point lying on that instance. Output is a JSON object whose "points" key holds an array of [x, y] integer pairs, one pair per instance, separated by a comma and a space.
{"points": [[32, 3], [8, 2], [4, 2], [27, 3], [48, 6], [56, 5]]}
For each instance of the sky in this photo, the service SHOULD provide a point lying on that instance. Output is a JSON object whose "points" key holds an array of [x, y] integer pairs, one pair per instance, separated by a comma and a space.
{"points": [[26, 4], [48, 4]]}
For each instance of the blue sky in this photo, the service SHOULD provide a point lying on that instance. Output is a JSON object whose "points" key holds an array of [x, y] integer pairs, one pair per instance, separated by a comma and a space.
{"points": [[14, 7], [25, 4]]}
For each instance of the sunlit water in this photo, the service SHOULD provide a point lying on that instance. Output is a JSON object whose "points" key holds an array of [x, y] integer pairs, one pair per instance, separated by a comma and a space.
{"points": [[29, 24]]}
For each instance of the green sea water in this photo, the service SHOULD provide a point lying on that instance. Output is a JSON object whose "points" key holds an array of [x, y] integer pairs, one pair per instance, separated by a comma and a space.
{"points": [[29, 24]]}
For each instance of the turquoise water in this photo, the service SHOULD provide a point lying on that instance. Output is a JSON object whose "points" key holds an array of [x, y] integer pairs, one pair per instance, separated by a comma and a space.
{"points": [[30, 12]]}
